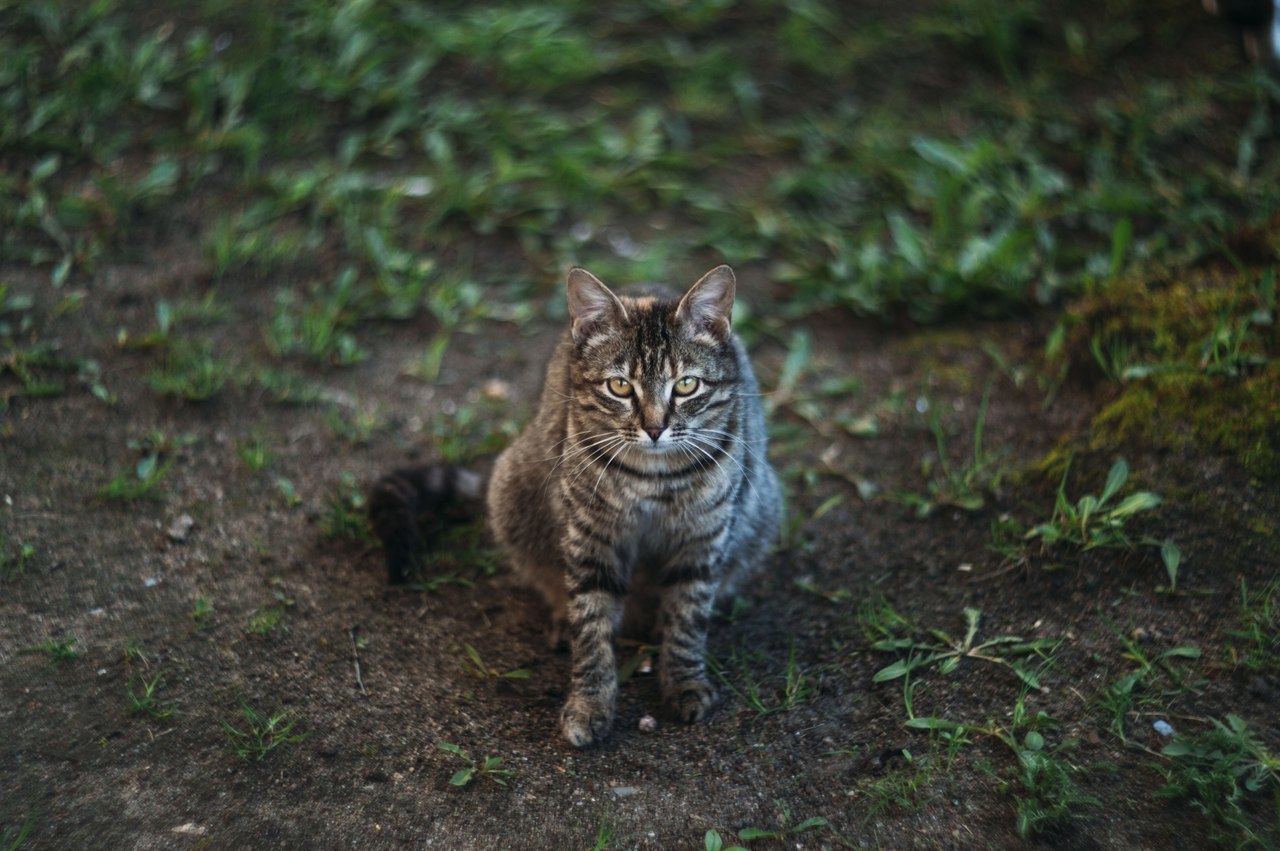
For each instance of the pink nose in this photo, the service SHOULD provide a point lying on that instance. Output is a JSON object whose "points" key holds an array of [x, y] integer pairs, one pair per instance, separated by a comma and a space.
{"points": [[654, 432]]}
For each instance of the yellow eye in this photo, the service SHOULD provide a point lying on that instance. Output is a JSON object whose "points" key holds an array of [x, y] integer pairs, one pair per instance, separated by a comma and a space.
{"points": [[686, 386], [620, 387]]}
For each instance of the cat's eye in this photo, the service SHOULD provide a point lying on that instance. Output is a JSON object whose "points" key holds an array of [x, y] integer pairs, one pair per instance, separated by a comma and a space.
{"points": [[686, 386], [620, 387]]}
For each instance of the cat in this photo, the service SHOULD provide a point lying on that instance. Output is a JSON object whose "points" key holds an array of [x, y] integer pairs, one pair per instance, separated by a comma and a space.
{"points": [[639, 493]]}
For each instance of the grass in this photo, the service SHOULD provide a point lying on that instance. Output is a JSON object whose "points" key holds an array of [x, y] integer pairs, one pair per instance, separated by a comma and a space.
{"points": [[768, 694], [256, 734], [14, 566], [58, 650], [144, 698], [475, 666], [1218, 771]]}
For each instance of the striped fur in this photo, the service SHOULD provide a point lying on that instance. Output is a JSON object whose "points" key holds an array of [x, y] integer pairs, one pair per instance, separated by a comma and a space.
{"points": [[633, 504]]}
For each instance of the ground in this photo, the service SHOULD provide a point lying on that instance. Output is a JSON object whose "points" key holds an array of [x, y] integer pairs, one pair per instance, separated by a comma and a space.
{"points": [[199, 647]]}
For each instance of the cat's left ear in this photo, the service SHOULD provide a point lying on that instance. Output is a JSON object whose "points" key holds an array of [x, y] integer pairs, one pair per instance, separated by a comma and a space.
{"points": [[707, 308]]}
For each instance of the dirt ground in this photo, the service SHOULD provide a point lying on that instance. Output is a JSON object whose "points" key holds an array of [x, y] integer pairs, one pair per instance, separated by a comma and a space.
{"points": [[81, 770], [251, 606]]}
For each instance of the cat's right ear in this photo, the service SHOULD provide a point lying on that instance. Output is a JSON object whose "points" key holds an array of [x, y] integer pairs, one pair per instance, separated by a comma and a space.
{"points": [[592, 306]]}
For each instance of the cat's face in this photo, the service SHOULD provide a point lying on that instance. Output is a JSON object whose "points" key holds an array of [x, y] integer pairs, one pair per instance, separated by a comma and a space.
{"points": [[654, 374]]}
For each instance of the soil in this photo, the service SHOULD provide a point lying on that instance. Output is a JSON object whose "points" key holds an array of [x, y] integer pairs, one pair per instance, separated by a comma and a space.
{"points": [[78, 769]]}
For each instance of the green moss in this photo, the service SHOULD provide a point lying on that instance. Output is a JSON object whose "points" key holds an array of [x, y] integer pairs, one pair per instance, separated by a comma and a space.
{"points": [[1240, 418]]}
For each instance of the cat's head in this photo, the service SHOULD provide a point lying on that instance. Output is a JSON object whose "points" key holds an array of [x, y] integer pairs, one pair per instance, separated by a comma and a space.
{"points": [[655, 370]]}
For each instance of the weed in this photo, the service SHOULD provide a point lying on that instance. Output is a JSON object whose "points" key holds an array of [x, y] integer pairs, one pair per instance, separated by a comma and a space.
{"points": [[490, 767], [260, 733], [356, 426], [201, 610], [265, 620], [782, 834], [1046, 791], [288, 492], [344, 515], [766, 696], [1216, 771], [146, 474], [475, 666], [1259, 627], [963, 485], [144, 699], [1133, 689], [190, 371], [254, 452], [947, 652], [14, 838], [58, 650], [1090, 522], [13, 566]]}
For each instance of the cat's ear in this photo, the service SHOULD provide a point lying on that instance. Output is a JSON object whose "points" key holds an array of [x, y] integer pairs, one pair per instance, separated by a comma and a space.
{"points": [[707, 308], [592, 305]]}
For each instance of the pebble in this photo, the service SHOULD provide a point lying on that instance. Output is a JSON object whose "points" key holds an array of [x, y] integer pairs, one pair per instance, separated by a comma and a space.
{"points": [[1164, 728], [648, 724], [181, 529]]}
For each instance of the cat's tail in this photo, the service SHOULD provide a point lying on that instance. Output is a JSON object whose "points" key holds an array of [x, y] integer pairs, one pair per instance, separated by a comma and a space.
{"points": [[406, 500]]}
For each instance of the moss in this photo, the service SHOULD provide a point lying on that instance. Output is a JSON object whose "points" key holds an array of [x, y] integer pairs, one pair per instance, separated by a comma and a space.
{"points": [[1240, 417]]}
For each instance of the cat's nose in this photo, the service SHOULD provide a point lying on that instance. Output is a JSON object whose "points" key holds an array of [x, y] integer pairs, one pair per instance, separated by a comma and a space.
{"points": [[654, 432]]}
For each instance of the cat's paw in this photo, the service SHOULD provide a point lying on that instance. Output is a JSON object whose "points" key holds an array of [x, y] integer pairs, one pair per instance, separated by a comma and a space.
{"points": [[585, 722], [692, 699]]}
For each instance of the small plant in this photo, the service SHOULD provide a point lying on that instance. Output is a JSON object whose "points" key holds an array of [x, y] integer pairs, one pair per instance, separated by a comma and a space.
{"points": [[11, 567], [1259, 627], [1090, 522], [475, 666], [58, 650], [1045, 788], [1216, 771], [947, 652], [261, 733], [962, 484], [254, 453], [144, 700], [490, 767], [766, 695], [1131, 689], [344, 514], [201, 610], [714, 842], [139, 482], [191, 372], [288, 492], [268, 618]]}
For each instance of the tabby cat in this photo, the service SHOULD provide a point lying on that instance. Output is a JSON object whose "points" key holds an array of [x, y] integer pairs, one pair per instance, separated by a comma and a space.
{"points": [[638, 493]]}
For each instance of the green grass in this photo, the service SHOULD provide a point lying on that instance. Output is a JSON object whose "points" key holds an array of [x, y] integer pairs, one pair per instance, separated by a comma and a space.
{"points": [[1218, 771], [58, 650], [1094, 521], [256, 734], [759, 688], [144, 697], [14, 565]]}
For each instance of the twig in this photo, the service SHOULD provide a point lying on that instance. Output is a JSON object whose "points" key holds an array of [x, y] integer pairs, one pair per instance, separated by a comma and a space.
{"points": [[355, 660]]}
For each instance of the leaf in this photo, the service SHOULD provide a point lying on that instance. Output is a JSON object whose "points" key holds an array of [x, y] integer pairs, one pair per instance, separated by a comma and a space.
{"points": [[451, 748], [1034, 741], [712, 841], [900, 668], [463, 776], [908, 241], [1171, 555], [809, 824], [1132, 504], [750, 834], [1115, 480], [933, 723]]}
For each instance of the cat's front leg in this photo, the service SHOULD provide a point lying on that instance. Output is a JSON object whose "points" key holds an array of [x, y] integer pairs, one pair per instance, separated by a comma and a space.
{"points": [[688, 596], [596, 591]]}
